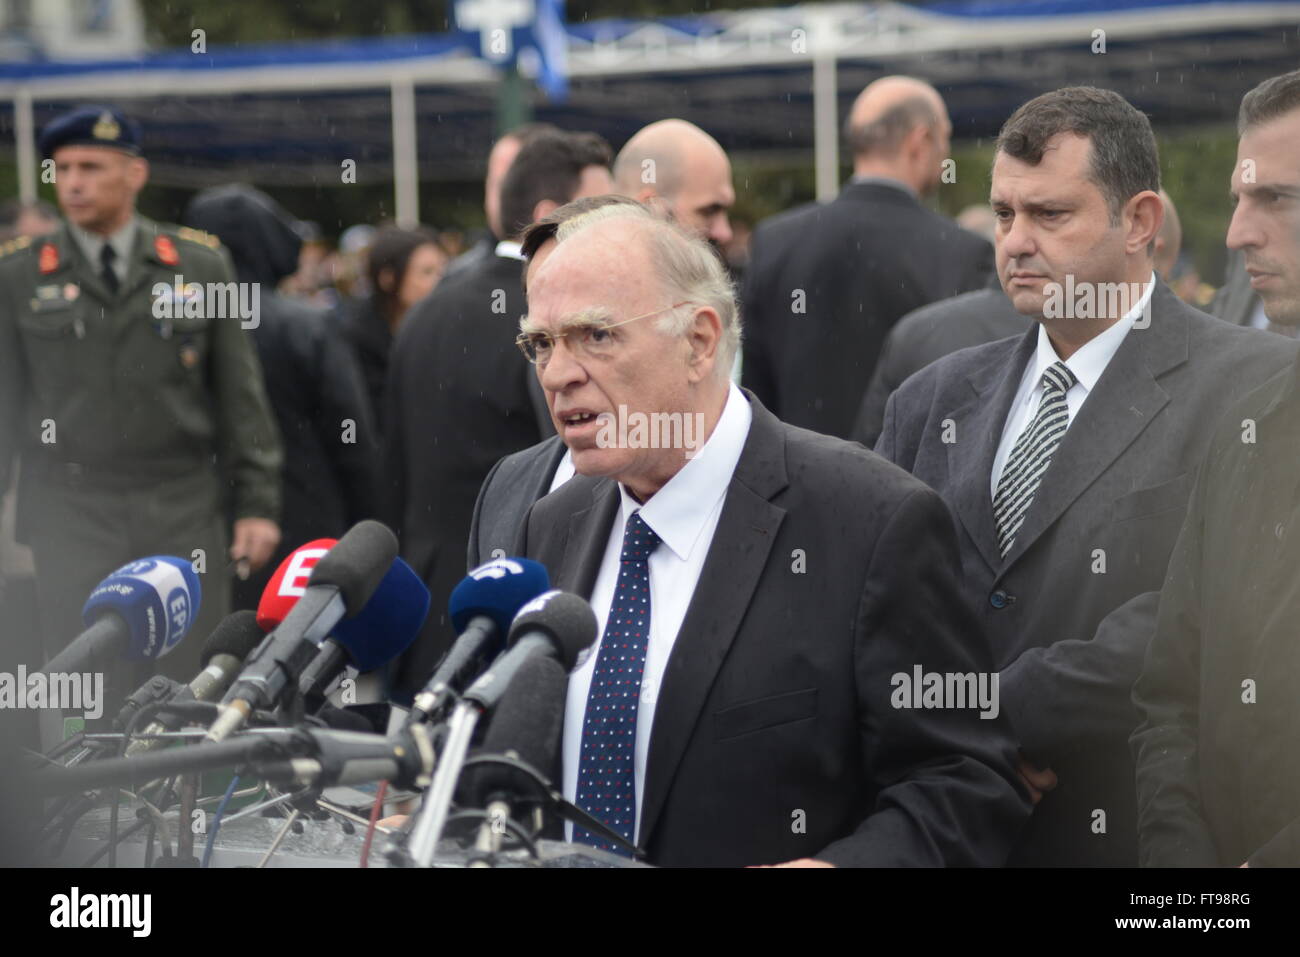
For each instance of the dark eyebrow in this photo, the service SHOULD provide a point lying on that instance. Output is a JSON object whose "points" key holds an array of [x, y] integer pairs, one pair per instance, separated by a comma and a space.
{"points": [[1278, 189]]}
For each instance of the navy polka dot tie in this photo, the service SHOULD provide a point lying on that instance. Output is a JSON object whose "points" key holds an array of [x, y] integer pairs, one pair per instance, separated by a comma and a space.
{"points": [[607, 765]]}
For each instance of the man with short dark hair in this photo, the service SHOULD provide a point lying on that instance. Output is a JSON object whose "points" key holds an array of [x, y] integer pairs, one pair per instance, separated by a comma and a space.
{"points": [[459, 394], [971, 319], [1218, 774], [826, 282], [1067, 454]]}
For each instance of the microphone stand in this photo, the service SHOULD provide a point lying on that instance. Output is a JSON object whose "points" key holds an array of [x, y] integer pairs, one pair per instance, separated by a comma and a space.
{"points": [[437, 799]]}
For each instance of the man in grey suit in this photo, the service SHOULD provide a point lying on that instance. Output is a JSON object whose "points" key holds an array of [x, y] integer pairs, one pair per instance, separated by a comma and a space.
{"points": [[1068, 455]]}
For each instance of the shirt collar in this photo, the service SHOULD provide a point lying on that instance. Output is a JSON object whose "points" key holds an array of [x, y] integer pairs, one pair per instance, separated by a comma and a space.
{"points": [[92, 243], [678, 512], [1091, 359], [510, 249]]}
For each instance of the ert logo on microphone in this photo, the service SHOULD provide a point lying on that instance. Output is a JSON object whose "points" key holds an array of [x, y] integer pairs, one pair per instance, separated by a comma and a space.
{"points": [[178, 609], [497, 569], [296, 575]]}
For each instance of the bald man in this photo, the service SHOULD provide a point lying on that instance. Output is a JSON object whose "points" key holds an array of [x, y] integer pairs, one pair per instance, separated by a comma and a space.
{"points": [[677, 168], [827, 282]]}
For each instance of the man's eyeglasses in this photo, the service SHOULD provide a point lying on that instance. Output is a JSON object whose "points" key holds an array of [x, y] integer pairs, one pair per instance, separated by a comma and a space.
{"points": [[590, 339]]}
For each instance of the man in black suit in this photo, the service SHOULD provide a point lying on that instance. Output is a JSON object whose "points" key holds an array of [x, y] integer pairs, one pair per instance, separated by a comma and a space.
{"points": [[1217, 770], [750, 700], [460, 395], [826, 283], [1067, 455], [971, 319]]}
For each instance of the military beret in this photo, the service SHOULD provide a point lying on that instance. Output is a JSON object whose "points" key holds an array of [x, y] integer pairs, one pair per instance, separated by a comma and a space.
{"points": [[91, 126]]}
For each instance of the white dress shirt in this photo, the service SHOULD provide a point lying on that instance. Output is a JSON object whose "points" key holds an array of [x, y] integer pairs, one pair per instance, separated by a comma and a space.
{"points": [[684, 514], [1087, 364], [510, 249], [563, 472]]}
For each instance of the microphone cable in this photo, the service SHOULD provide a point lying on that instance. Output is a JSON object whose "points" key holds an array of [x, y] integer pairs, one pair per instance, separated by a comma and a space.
{"points": [[375, 811], [216, 822]]}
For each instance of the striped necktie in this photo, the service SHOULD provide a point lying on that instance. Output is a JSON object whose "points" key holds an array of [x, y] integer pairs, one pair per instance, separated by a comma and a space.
{"points": [[1031, 455]]}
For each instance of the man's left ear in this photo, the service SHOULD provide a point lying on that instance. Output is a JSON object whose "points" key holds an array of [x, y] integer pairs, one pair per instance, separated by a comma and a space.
{"points": [[1146, 213], [704, 336]]}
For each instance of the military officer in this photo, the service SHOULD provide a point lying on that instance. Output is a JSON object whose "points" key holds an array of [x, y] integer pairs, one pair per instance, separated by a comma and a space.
{"points": [[130, 392]]}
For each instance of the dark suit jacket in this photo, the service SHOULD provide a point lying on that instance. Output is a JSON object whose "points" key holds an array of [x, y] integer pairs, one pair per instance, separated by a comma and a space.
{"points": [[930, 333], [1218, 776], [459, 399], [1068, 635], [827, 282], [776, 697], [509, 491]]}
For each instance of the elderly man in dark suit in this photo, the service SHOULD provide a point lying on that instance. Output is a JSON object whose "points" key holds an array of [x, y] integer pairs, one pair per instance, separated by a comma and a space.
{"points": [[755, 697], [827, 282], [1068, 455], [459, 395], [1217, 768]]}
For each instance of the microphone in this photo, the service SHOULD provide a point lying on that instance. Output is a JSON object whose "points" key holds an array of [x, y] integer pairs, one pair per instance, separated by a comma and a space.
{"points": [[289, 583], [335, 758], [340, 584], [482, 607], [223, 657], [139, 612], [525, 728], [385, 628], [556, 624]]}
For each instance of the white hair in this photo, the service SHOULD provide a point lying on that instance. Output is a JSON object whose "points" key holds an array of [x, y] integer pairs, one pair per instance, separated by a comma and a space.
{"points": [[688, 268]]}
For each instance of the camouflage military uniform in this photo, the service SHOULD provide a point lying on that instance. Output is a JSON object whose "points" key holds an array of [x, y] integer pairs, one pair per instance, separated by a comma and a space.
{"points": [[140, 417]]}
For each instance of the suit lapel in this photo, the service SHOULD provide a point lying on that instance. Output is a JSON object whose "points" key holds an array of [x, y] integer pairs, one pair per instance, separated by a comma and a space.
{"points": [[980, 422], [585, 542], [737, 556], [542, 478], [1121, 405]]}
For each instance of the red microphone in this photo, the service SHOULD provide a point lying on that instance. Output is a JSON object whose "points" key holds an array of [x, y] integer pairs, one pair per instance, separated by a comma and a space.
{"points": [[289, 582]]}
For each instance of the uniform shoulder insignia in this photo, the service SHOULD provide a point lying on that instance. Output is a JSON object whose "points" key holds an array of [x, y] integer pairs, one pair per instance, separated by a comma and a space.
{"points": [[14, 245], [198, 236]]}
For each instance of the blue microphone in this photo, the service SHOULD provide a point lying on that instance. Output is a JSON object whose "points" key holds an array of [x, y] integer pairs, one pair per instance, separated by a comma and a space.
{"points": [[482, 608], [139, 612], [387, 625]]}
